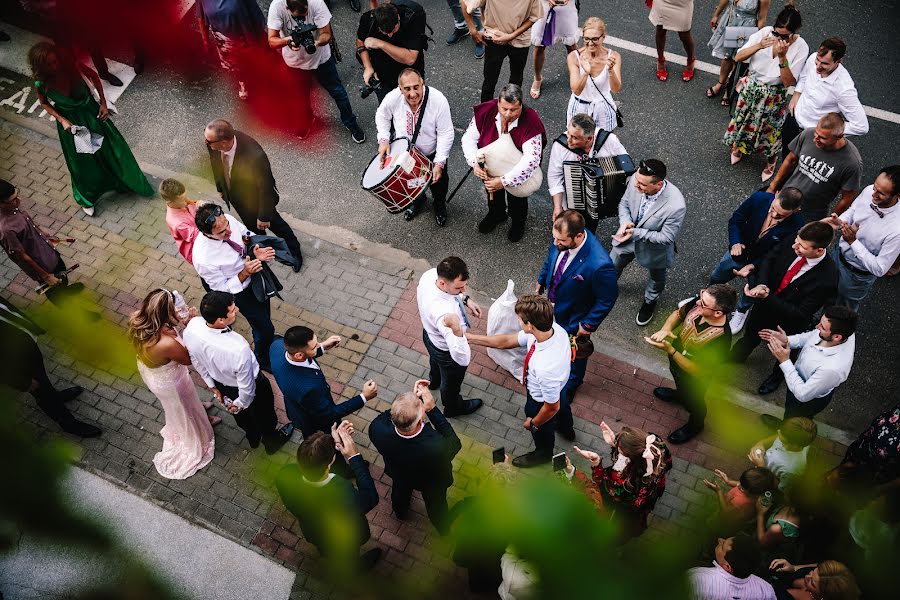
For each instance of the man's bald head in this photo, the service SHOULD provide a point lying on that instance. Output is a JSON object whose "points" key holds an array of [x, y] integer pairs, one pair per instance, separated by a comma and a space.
{"points": [[406, 412]]}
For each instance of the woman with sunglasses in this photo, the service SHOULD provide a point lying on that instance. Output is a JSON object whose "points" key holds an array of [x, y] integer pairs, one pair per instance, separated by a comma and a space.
{"points": [[595, 73], [776, 56], [737, 13], [162, 360]]}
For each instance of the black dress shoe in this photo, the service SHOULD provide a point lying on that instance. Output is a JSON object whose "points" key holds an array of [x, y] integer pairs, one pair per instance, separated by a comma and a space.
{"points": [[368, 559], [567, 434], [82, 429], [274, 442], [770, 421], [69, 394], [440, 218], [683, 434], [666, 394], [299, 264], [467, 407], [112, 79], [532, 459], [772, 383], [410, 213], [4, 37], [254, 443], [516, 231], [489, 223]]}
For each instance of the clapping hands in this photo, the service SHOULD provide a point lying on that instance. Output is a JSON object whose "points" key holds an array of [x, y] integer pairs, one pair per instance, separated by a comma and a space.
{"points": [[343, 439]]}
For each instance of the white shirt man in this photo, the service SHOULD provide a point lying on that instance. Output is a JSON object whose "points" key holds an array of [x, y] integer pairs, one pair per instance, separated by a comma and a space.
{"points": [[434, 305], [222, 355], [219, 262], [731, 575], [548, 367], [829, 92]]}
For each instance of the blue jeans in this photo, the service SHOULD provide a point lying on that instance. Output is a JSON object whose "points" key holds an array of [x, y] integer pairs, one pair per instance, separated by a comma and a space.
{"points": [[459, 21], [722, 274], [853, 284], [327, 76]]}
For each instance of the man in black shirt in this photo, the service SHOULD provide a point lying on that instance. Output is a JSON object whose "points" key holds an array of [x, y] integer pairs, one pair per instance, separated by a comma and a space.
{"points": [[391, 38], [701, 344]]}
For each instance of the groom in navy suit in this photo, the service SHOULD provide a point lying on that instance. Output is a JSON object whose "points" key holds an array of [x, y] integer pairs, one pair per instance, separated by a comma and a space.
{"points": [[579, 278]]}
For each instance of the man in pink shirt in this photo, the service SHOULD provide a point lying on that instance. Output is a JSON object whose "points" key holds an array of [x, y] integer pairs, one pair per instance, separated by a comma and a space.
{"points": [[180, 211]]}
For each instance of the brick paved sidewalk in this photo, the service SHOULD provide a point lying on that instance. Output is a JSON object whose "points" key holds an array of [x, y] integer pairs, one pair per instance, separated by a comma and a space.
{"points": [[125, 251]]}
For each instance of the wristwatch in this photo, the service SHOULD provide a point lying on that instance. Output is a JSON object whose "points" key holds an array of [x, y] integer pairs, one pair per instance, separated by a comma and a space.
{"points": [[534, 427], [465, 299], [784, 64]]}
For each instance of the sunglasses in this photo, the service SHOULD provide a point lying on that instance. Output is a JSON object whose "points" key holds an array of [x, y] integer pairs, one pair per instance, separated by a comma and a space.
{"points": [[210, 219], [645, 169], [782, 36]]}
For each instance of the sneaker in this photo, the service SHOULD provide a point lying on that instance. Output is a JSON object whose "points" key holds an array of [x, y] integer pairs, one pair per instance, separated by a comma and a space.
{"points": [[88, 210], [457, 35], [737, 321], [646, 313], [479, 51], [356, 132]]}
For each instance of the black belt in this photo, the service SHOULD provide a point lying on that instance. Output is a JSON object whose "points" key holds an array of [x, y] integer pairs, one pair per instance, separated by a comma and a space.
{"points": [[851, 267]]}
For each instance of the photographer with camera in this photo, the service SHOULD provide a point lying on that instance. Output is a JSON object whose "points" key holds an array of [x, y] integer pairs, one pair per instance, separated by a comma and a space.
{"points": [[302, 30], [390, 38]]}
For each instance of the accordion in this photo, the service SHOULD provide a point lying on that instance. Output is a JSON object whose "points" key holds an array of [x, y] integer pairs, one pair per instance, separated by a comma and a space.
{"points": [[596, 185]]}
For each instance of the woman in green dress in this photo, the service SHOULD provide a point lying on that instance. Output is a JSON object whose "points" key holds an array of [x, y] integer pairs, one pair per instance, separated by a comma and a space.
{"points": [[112, 168]]}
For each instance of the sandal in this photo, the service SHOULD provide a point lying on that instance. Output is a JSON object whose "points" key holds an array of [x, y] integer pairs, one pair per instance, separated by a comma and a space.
{"points": [[726, 101], [769, 170], [661, 72], [711, 92], [536, 88], [688, 74]]}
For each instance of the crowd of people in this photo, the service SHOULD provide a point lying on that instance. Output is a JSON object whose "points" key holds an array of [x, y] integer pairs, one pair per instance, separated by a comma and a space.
{"points": [[808, 265]]}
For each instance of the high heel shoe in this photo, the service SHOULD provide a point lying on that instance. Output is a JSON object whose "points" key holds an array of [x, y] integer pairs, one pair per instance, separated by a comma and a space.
{"points": [[687, 74], [736, 157], [769, 170], [661, 72], [712, 93]]}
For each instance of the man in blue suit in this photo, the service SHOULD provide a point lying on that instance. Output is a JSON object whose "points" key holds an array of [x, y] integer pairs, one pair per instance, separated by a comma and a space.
{"points": [[580, 279], [759, 224]]}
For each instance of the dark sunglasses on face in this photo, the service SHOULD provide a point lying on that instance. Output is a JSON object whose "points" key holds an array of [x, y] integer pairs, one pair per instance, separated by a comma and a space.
{"points": [[782, 36], [210, 219]]}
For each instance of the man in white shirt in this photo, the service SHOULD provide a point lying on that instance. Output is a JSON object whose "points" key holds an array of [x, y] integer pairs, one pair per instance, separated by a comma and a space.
{"points": [[870, 237], [219, 259], [287, 16], [824, 362], [544, 374], [222, 357], [422, 115], [442, 308], [824, 86], [577, 145], [731, 576]]}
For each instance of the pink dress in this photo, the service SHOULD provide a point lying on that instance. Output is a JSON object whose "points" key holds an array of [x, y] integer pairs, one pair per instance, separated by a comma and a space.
{"points": [[188, 441], [180, 222]]}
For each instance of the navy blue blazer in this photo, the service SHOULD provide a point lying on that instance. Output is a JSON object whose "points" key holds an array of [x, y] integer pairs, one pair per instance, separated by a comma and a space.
{"points": [[307, 395], [748, 219], [588, 288]]}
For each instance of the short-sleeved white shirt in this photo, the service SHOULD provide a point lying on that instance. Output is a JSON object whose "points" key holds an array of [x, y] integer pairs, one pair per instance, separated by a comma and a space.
{"points": [[548, 367], [280, 18], [763, 64]]}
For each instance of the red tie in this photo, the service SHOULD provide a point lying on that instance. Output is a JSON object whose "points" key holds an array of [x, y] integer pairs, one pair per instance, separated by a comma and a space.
{"points": [[525, 365], [791, 273]]}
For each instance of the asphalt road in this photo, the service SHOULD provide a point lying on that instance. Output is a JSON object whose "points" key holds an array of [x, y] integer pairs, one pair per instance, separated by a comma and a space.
{"points": [[163, 113]]}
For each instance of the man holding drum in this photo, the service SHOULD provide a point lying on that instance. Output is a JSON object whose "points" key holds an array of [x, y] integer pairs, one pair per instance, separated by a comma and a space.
{"points": [[422, 115], [505, 133]]}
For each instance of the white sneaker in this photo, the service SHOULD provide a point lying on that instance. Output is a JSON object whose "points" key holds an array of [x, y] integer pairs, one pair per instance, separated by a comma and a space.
{"points": [[737, 321], [88, 210]]}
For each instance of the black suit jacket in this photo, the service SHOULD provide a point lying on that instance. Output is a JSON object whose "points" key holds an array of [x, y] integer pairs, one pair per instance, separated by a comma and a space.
{"points": [[420, 462], [252, 191], [794, 307]]}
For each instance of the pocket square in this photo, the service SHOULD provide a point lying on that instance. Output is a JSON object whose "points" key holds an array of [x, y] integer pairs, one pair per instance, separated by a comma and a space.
{"points": [[578, 277]]}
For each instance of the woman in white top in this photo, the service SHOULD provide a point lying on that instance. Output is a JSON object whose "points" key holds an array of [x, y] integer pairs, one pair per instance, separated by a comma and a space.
{"points": [[595, 73], [776, 56], [559, 25]]}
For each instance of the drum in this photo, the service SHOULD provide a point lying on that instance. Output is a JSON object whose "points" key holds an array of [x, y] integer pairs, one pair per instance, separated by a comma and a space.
{"points": [[404, 177]]}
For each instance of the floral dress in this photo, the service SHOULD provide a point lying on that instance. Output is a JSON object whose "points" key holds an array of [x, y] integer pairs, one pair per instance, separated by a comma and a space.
{"points": [[877, 449]]}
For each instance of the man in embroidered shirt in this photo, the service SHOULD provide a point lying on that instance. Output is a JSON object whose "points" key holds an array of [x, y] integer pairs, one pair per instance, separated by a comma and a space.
{"points": [[696, 353], [824, 362], [578, 145], [417, 455], [442, 305], [824, 86], [870, 237], [731, 575], [404, 109], [505, 115], [222, 357], [544, 374], [219, 260]]}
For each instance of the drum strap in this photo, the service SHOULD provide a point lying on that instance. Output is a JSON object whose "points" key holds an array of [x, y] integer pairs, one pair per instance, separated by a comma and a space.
{"points": [[421, 118]]}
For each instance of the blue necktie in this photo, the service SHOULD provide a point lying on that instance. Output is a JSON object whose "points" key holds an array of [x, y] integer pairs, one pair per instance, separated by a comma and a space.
{"points": [[462, 310]]}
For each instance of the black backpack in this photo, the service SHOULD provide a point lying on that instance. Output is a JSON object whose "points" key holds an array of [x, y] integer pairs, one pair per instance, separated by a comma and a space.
{"points": [[410, 11]]}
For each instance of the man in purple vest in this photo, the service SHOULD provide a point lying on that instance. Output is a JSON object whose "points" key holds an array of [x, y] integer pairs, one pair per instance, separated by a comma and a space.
{"points": [[505, 115]]}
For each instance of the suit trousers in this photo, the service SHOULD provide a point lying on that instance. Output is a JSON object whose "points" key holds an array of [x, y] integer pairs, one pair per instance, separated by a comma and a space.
{"points": [[853, 284], [795, 408], [257, 420], [493, 63], [278, 226], [544, 437], [435, 497], [446, 373], [505, 203], [691, 393], [438, 193], [656, 281], [259, 315], [564, 419], [44, 393], [789, 131]]}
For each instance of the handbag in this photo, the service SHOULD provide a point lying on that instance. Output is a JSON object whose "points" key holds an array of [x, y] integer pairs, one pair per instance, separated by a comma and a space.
{"points": [[620, 122], [736, 37]]}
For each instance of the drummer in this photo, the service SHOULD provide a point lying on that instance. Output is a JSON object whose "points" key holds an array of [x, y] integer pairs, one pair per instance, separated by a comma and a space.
{"points": [[505, 115], [401, 110]]}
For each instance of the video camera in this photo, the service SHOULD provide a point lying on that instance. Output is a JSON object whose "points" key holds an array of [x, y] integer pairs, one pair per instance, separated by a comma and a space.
{"points": [[373, 84], [302, 36]]}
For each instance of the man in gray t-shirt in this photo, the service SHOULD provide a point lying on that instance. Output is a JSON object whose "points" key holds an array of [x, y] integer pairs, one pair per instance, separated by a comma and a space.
{"points": [[822, 163]]}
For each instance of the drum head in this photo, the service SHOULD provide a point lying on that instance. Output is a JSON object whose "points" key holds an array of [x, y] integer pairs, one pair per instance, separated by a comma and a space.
{"points": [[375, 174]]}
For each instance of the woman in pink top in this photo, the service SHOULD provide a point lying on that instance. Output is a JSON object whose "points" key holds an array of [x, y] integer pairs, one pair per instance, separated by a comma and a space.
{"points": [[180, 212]]}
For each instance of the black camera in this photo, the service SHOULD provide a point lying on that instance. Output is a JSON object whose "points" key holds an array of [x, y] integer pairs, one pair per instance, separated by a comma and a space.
{"points": [[373, 84], [302, 37]]}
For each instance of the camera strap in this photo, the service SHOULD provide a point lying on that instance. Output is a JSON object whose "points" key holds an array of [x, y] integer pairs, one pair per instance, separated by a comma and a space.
{"points": [[421, 118]]}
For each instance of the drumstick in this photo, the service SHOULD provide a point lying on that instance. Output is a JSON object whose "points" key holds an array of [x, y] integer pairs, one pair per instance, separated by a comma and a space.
{"points": [[62, 275], [58, 240], [481, 163]]}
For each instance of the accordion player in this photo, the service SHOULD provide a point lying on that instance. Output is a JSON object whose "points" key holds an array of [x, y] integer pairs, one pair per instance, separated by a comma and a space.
{"points": [[588, 173]]}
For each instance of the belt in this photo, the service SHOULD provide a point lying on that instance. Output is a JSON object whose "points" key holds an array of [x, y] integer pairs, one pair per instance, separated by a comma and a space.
{"points": [[577, 99], [856, 270]]}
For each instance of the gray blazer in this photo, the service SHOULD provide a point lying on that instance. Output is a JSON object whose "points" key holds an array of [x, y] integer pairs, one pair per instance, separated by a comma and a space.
{"points": [[653, 242]]}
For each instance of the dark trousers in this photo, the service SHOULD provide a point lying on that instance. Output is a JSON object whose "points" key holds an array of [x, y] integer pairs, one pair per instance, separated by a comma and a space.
{"points": [[789, 131], [544, 437], [564, 420], [505, 203], [795, 408], [257, 420], [435, 498], [691, 393], [277, 224], [438, 193], [44, 393], [63, 292], [493, 62], [327, 76], [259, 315], [446, 373]]}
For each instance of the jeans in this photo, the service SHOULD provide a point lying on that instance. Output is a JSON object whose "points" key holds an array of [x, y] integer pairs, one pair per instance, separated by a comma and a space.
{"points": [[493, 63], [259, 315], [504, 203], [327, 76], [564, 419], [657, 275], [723, 274], [257, 420], [795, 408], [459, 21], [278, 226], [853, 284], [445, 372], [544, 438]]}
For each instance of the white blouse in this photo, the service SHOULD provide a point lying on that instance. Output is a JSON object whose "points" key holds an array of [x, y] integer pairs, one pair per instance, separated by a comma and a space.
{"points": [[764, 65]]}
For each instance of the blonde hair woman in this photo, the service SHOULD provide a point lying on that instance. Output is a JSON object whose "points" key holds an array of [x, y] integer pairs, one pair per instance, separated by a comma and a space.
{"points": [[162, 360], [595, 73]]}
